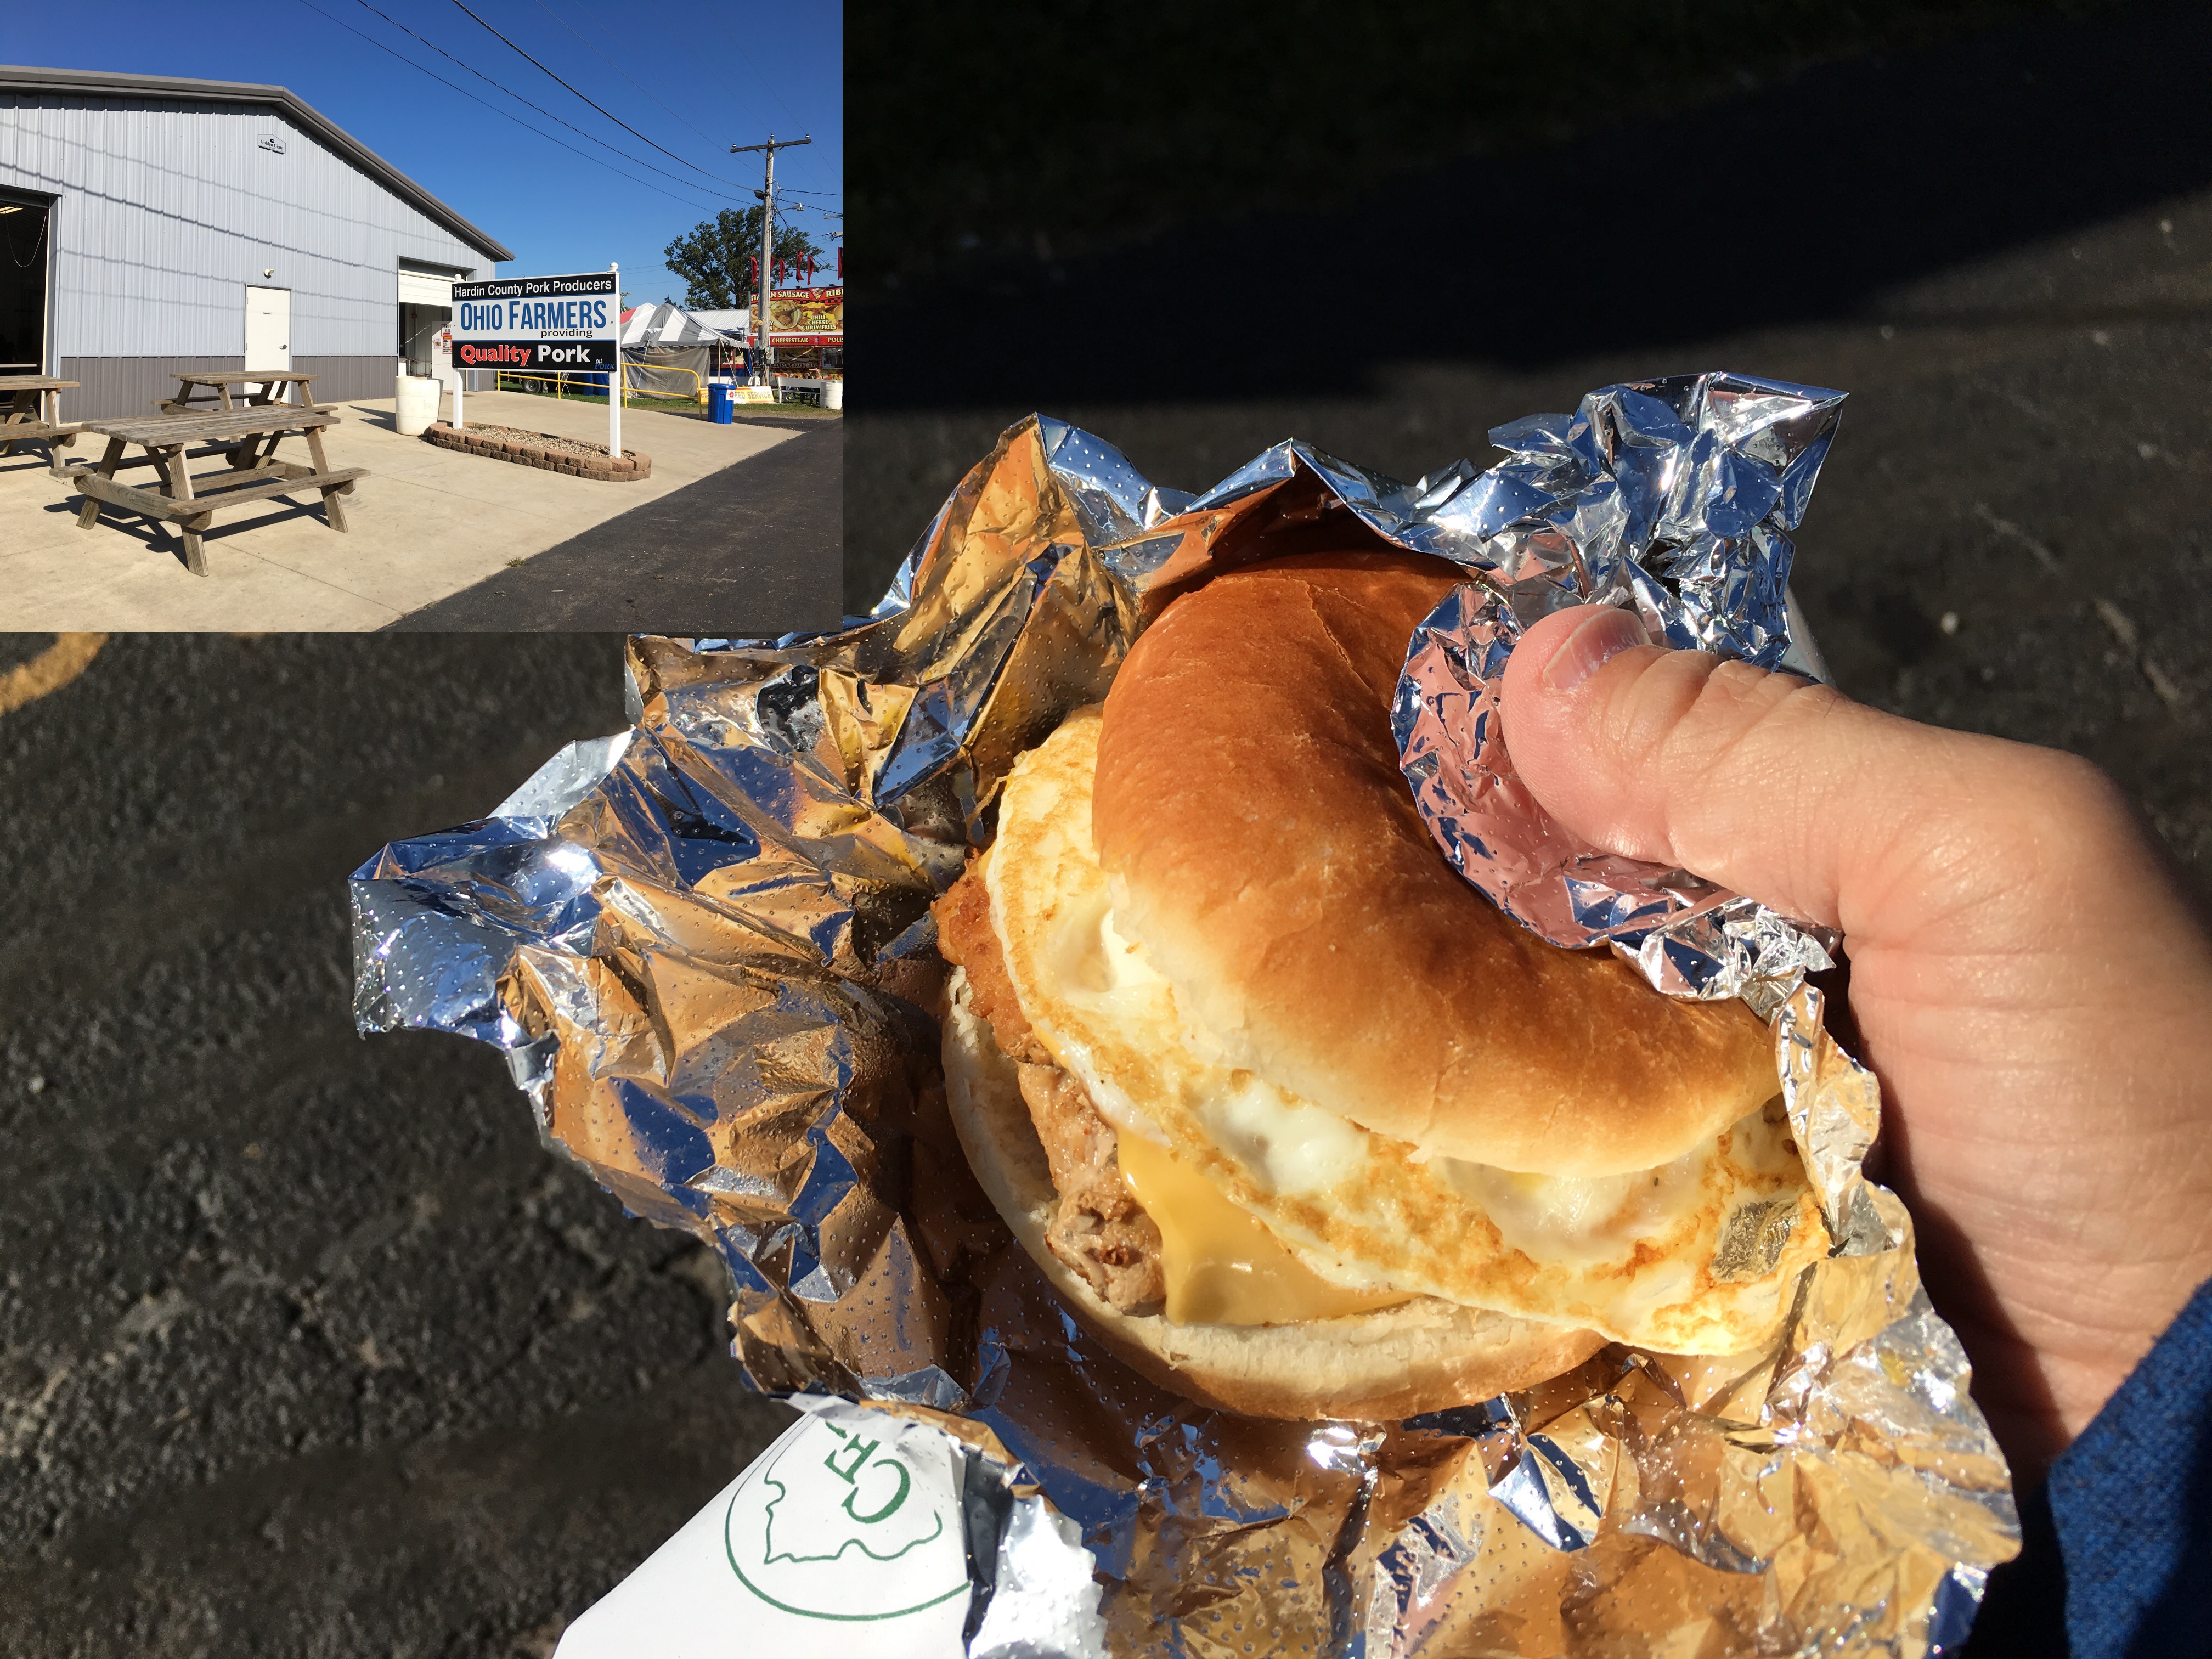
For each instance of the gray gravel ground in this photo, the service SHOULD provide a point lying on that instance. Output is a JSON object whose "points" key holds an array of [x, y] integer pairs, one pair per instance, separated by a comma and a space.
{"points": [[306, 1347]]}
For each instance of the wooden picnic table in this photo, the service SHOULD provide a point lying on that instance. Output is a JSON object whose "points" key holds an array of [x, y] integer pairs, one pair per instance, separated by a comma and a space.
{"points": [[35, 415], [246, 436], [259, 386]]}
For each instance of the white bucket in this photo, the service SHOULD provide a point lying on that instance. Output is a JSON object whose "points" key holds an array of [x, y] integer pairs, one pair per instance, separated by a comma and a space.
{"points": [[415, 403]]}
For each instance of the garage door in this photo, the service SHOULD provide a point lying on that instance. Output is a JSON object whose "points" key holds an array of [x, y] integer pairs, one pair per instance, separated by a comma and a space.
{"points": [[417, 288]]}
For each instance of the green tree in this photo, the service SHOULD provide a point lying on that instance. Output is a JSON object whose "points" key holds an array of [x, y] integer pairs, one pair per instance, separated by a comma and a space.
{"points": [[714, 256]]}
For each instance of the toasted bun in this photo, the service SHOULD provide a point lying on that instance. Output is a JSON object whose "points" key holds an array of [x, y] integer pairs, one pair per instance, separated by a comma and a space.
{"points": [[1264, 848], [1422, 1356]]}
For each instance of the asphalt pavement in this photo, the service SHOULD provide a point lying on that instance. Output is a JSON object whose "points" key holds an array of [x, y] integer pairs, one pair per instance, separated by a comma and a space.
{"points": [[2001, 247], [754, 548], [307, 1347]]}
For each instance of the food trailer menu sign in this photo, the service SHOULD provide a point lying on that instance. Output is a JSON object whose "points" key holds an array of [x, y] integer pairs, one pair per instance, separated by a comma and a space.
{"points": [[537, 323], [806, 317]]}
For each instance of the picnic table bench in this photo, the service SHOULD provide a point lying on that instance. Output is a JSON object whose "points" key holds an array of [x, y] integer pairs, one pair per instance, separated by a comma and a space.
{"points": [[34, 416], [260, 387], [246, 436]]}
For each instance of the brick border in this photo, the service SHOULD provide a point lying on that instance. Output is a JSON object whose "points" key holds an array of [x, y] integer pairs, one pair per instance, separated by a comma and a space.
{"points": [[627, 468]]}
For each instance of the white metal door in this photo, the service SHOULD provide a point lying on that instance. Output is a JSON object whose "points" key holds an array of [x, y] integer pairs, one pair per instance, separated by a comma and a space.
{"points": [[268, 328]]}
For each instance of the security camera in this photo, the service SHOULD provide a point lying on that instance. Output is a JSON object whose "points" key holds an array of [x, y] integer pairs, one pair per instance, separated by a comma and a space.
{"points": [[270, 272]]}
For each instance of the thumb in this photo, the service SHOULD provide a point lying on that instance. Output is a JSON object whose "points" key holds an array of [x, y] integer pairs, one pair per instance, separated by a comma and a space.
{"points": [[2026, 975], [1771, 785]]}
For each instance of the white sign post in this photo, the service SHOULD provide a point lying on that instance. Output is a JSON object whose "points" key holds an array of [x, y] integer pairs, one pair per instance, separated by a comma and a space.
{"points": [[615, 385]]}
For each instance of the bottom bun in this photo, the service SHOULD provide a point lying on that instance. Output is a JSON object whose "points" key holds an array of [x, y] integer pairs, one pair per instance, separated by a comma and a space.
{"points": [[1425, 1355]]}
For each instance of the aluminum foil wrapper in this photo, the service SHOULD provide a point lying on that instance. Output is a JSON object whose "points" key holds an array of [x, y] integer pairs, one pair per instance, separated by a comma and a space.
{"points": [[1032, 1592], [705, 949], [1672, 498]]}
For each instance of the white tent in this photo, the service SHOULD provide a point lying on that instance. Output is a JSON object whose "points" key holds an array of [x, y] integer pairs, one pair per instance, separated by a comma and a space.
{"points": [[656, 339], [662, 327], [735, 324]]}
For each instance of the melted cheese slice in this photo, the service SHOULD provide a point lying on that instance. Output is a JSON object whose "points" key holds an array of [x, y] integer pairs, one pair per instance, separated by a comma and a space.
{"points": [[1696, 1256], [1222, 1265]]}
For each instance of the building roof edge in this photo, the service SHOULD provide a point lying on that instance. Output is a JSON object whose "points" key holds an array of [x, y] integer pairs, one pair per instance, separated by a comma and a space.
{"points": [[14, 77]]}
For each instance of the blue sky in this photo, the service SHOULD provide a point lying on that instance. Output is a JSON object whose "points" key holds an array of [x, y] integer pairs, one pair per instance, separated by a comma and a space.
{"points": [[694, 77]]}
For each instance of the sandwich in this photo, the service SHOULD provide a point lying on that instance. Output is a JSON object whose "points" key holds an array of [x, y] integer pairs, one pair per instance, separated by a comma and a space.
{"points": [[1289, 1114]]}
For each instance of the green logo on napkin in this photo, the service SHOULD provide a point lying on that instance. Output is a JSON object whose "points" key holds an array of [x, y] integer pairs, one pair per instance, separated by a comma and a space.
{"points": [[810, 1525], [837, 1525]]}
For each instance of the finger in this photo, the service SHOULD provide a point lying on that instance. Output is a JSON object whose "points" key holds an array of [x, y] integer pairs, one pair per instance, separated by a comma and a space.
{"points": [[1765, 783]]}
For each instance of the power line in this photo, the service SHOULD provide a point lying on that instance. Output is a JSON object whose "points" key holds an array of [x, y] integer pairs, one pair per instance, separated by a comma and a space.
{"points": [[673, 29], [616, 119], [616, 67], [633, 160], [503, 114], [715, 13]]}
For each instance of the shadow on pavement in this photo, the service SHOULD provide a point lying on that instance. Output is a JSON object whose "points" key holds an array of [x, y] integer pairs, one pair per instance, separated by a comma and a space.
{"points": [[756, 548], [164, 536], [1805, 201]]}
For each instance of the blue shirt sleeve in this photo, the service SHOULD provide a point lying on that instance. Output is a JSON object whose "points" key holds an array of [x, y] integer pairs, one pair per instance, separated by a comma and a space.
{"points": [[2131, 1504], [2116, 1559]]}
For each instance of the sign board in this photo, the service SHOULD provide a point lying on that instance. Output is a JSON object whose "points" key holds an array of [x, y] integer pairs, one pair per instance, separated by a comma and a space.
{"points": [[536, 325], [806, 317]]}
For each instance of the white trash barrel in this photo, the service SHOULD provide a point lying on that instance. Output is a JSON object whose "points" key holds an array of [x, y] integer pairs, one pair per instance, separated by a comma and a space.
{"points": [[415, 403], [833, 394]]}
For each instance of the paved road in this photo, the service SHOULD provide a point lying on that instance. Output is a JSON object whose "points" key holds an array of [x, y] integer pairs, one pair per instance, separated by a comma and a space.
{"points": [[755, 549], [306, 1347]]}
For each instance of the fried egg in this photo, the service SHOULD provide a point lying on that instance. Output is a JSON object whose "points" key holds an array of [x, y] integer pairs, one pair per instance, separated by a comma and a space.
{"points": [[1698, 1255]]}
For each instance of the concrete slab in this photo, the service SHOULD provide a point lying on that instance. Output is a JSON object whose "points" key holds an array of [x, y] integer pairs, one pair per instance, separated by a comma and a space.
{"points": [[427, 522]]}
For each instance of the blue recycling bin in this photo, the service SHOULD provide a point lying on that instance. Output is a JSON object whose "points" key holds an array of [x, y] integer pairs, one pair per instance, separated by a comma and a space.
{"points": [[722, 405]]}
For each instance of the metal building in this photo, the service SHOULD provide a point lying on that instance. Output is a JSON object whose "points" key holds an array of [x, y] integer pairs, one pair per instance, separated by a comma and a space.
{"points": [[149, 225]]}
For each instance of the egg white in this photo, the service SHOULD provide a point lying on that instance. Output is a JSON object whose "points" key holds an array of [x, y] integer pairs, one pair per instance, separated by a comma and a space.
{"points": [[1631, 1255]]}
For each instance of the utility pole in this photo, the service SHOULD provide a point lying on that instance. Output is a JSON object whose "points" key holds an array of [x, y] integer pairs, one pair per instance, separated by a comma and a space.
{"points": [[768, 238]]}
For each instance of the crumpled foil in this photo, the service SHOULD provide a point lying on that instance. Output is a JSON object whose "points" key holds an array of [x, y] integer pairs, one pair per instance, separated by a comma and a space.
{"points": [[704, 947], [1031, 1592], [1672, 498]]}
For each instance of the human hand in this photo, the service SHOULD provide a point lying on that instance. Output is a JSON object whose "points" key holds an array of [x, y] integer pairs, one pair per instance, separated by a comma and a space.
{"points": [[2031, 982]]}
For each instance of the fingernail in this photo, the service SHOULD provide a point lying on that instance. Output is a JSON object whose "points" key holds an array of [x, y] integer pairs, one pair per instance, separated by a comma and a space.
{"points": [[1606, 632]]}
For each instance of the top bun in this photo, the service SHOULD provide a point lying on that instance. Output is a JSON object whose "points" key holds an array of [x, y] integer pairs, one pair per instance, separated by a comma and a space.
{"points": [[1264, 848]]}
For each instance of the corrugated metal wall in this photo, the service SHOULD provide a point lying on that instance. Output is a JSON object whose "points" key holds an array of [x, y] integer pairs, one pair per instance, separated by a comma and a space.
{"points": [[167, 210], [338, 379], [111, 386]]}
